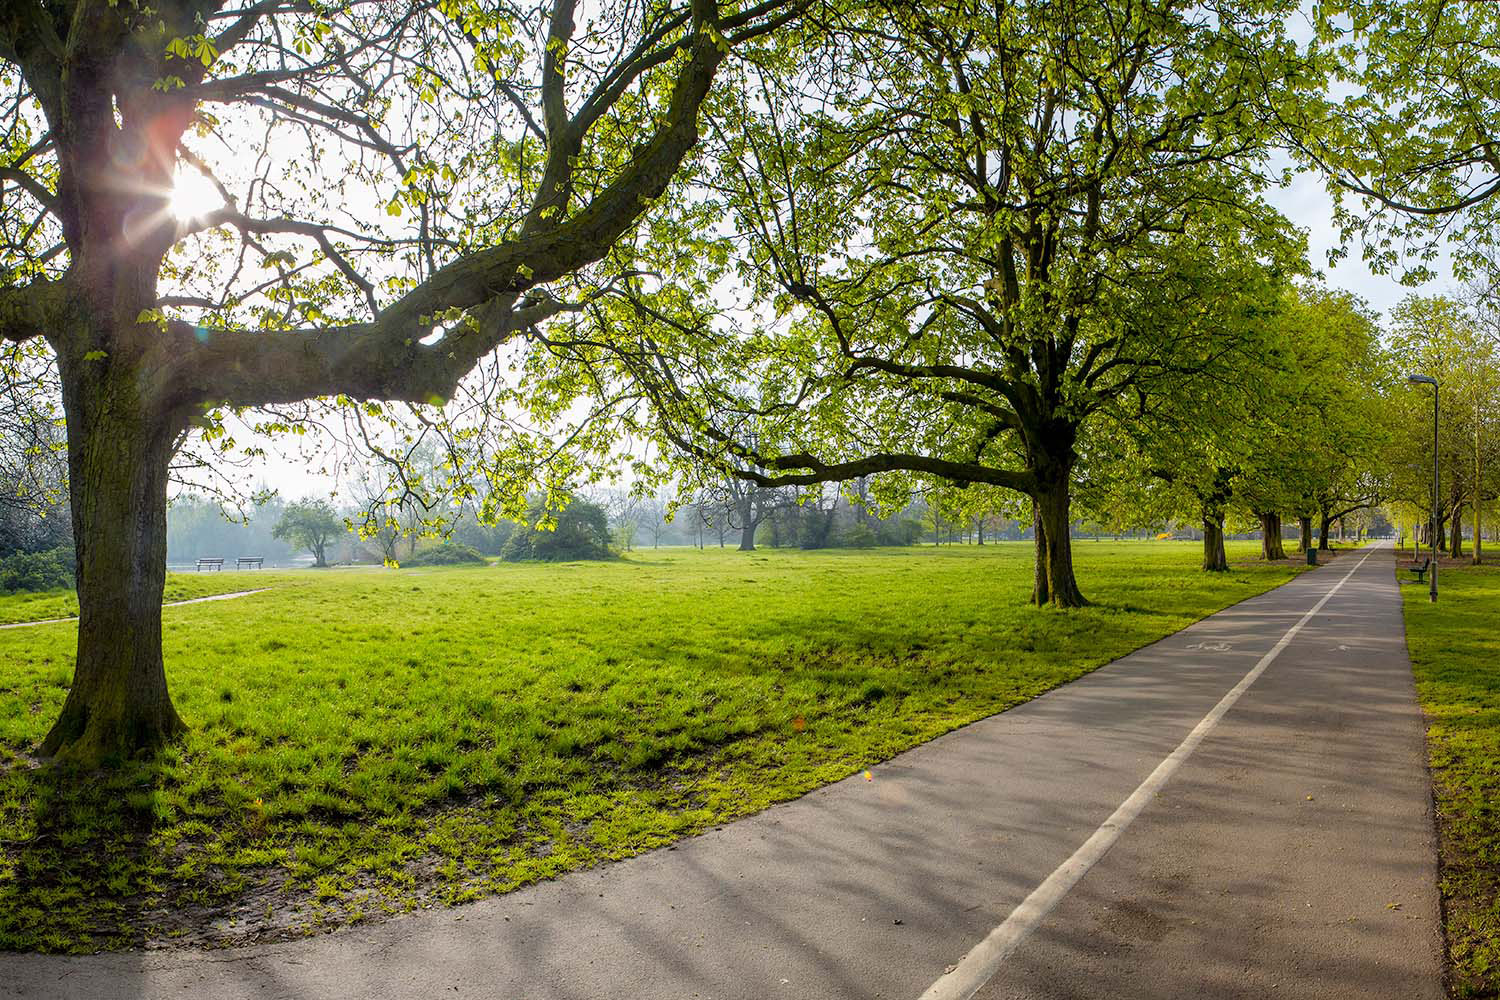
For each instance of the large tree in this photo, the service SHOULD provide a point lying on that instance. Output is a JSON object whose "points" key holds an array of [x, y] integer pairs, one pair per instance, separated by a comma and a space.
{"points": [[390, 192], [983, 226]]}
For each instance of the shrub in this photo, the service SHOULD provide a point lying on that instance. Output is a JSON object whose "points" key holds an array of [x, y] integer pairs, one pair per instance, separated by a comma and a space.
{"points": [[33, 571], [447, 554], [581, 532], [859, 536]]}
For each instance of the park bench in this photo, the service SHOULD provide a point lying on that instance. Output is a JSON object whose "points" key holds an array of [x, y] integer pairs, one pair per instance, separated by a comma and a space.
{"points": [[212, 562], [1420, 568], [242, 561]]}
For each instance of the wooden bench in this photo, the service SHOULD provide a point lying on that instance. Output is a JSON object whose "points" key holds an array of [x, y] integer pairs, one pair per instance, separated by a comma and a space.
{"points": [[242, 561], [213, 562], [1420, 568]]}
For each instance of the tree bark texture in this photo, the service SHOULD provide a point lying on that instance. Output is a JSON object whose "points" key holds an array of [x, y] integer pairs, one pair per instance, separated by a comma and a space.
{"points": [[1062, 586], [1214, 558], [1270, 536], [119, 450], [1040, 593]]}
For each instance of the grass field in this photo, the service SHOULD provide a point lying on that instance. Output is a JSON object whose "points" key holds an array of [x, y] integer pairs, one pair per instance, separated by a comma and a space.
{"points": [[369, 741], [1455, 653], [180, 587]]}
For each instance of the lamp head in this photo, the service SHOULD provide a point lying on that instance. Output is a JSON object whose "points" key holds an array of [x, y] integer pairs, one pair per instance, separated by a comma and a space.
{"points": [[1422, 380]]}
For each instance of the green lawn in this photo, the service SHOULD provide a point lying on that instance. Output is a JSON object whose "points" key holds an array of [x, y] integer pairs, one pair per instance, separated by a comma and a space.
{"points": [[369, 741], [1455, 653], [180, 587]]}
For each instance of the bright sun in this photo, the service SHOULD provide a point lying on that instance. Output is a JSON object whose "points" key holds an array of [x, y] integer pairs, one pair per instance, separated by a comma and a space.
{"points": [[193, 195]]}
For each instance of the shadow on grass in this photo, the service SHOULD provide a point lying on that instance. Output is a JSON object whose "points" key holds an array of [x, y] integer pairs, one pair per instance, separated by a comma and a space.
{"points": [[75, 856]]}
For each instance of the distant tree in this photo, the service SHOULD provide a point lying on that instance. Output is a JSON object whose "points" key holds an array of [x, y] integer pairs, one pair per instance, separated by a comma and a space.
{"points": [[1436, 336], [310, 524], [488, 539], [625, 512], [579, 530], [744, 506], [34, 513], [654, 517]]}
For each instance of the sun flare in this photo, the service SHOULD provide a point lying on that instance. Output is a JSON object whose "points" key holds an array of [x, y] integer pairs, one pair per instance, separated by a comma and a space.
{"points": [[193, 194]]}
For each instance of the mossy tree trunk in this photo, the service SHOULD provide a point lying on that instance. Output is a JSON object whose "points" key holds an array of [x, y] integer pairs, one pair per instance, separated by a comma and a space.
{"points": [[119, 449]]}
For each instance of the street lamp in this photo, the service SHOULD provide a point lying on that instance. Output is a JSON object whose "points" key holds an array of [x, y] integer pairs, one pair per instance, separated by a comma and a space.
{"points": [[1432, 528]]}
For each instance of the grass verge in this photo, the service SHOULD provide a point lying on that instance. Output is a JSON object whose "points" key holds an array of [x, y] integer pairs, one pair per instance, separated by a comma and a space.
{"points": [[1455, 651], [369, 741]]}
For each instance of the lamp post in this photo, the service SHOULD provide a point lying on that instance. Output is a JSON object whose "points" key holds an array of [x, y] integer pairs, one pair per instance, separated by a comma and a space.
{"points": [[1432, 529]]}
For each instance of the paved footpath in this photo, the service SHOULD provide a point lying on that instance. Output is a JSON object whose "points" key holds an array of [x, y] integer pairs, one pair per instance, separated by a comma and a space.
{"points": [[1288, 852]]}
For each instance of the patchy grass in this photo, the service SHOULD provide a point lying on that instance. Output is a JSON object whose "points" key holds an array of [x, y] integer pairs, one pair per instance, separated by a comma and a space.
{"points": [[368, 741], [1455, 653]]}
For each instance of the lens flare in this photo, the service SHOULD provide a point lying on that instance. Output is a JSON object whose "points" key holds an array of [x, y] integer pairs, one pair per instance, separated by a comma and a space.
{"points": [[193, 194]]}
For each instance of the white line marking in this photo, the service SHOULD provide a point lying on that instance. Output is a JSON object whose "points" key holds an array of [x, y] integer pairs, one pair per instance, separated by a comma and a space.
{"points": [[173, 604], [983, 960]]}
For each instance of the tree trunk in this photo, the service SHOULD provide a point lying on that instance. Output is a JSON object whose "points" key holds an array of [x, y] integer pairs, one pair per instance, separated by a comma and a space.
{"points": [[1478, 500], [1305, 534], [1270, 536], [1062, 586], [118, 455], [1324, 523], [1456, 538], [1039, 590], [1214, 558], [747, 522], [1478, 534]]}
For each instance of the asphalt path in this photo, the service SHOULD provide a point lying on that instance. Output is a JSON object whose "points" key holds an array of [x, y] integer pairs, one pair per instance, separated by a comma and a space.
{"points": [[1287, 853]]}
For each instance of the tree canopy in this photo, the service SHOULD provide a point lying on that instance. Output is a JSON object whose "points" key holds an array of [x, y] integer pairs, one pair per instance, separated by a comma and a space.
{"points": [[994, 232]]}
